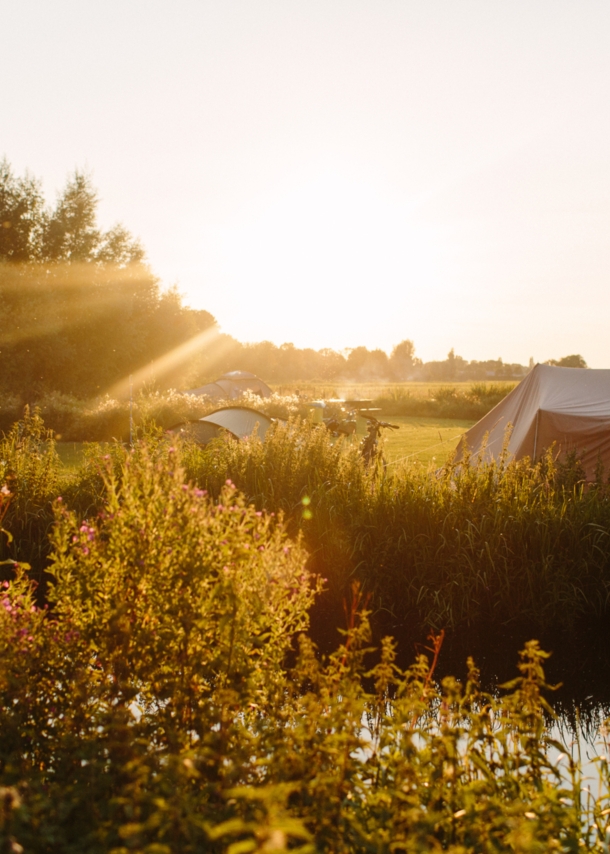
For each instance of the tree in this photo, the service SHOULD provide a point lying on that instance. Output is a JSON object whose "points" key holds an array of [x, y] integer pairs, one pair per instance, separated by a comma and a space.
{"points": [[22, 216], [402, 360], [573, 361], [367, 365], [71, 233], [79, 305]]}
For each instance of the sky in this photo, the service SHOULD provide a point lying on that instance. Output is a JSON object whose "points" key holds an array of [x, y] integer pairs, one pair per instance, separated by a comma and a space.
{"points": [[338, 173]]}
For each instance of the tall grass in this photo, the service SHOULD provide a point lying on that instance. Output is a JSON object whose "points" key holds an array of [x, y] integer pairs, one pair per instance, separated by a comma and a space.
{"points": [[499, 542]]}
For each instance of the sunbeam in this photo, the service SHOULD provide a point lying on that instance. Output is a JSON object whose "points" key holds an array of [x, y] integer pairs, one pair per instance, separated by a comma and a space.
{"points": [[160, 368]]}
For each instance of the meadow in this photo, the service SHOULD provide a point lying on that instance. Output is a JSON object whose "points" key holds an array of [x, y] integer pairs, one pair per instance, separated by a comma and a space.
{"points": [[423, 440]]}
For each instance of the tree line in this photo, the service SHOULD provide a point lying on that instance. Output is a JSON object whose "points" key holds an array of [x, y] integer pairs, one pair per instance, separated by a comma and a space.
{"points": [[81, 311]]}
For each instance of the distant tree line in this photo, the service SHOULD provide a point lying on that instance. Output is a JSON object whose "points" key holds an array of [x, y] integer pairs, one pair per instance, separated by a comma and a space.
{"points": [[81, 311]]}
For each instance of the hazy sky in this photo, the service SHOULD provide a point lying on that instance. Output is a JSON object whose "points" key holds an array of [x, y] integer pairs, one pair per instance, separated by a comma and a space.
{"points": [[339, 172]]}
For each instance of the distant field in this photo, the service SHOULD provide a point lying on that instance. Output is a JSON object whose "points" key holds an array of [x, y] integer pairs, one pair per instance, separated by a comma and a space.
{"points": [[369, 390]]}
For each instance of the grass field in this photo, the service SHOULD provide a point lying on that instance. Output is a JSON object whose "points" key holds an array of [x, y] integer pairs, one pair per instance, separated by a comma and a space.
{"points": [[424, 440]]}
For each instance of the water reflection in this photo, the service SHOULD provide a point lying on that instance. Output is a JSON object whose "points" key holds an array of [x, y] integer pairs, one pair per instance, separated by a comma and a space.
{"points": [[579, 663]]}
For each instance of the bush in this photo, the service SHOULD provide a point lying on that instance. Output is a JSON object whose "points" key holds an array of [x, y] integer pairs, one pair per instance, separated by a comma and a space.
{"points": [[446, 401]]}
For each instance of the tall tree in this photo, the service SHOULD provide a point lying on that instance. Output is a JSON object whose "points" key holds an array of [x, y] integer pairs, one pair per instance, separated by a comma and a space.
{"points": [[402, 360], [573, 361], [22, 216]]}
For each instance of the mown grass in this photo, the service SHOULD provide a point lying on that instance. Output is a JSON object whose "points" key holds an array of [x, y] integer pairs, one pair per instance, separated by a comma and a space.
{"points": [[423, 440]]}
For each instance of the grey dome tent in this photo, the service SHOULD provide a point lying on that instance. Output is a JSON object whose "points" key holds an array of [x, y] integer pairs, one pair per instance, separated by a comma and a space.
{"points": [[240, 421], [567, 407], [232, 385]]}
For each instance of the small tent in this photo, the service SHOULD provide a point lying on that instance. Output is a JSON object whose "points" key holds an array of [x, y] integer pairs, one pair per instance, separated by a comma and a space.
{"points": [[567, 407], [232, 385], [240, 421]]}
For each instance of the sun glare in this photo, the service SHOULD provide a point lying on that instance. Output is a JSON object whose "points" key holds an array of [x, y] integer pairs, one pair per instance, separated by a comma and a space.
{"points": [[334, 262]]}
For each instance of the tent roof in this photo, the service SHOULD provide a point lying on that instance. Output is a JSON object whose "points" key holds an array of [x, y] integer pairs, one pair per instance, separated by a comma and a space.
{"points": [[232, 385], [238, 375], [240, 421], [568, 406]]}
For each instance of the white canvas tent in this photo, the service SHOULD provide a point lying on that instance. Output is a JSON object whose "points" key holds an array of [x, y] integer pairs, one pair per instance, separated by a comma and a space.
{"points": [[232, 386], [240, 421], [568, 407]]}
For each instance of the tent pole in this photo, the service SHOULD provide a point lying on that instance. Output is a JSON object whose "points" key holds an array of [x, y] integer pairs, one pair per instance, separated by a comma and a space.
{"points": [[536, 434], [130, 411]]}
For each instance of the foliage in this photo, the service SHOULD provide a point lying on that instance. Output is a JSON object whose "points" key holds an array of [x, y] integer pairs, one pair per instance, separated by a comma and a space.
{"points": [[154, 706], [573, 361], [448, 401], [30, 478]]}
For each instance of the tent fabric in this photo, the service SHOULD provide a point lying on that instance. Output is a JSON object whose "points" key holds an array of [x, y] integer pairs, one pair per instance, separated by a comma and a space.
{"points": [[568, 407], [240, 421], [198, 431], [232, 385]]}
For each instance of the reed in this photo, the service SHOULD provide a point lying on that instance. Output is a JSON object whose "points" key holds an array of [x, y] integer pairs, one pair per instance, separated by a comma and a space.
{"points": [[498, 541]]}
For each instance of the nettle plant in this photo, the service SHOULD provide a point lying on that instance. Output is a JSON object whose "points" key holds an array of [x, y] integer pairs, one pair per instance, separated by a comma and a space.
{"points": [[159, 703]]}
